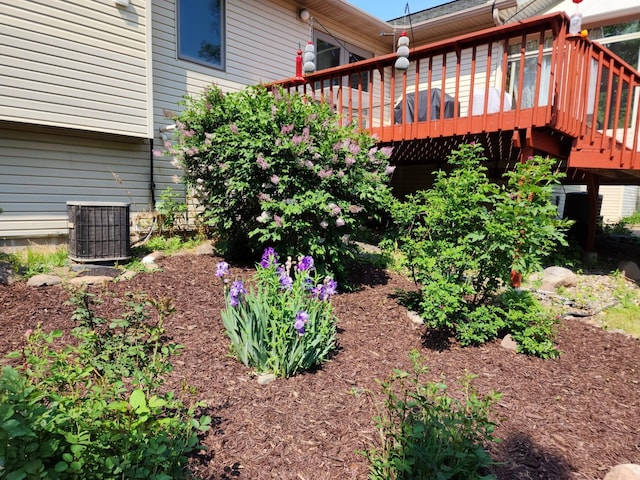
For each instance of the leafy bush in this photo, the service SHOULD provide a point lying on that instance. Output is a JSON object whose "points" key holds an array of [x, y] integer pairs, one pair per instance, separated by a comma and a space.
{"points": [[427, 434], [271, 168], [286, 324], [93, 408], [463, 238]]}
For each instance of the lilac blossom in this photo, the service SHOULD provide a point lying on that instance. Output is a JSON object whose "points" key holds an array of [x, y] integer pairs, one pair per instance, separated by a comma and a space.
{"points": [[301, 322], [262, 163], [389, 170], [275, 179], [222, 269], [233, 128], [387, 151], [264, 197], [236, 292], [340, 222], [354, 148], [355, 208], [324, 224], [286, 129], [305, 264], [269, 257], [349, 160], [278, 220], [325, 173]]}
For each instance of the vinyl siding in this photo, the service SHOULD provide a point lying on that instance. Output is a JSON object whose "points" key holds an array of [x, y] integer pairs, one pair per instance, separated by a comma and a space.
{"points": [[43, 168], [75, 64]]}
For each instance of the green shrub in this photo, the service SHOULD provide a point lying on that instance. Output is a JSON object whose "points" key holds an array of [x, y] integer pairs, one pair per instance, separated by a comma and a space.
{"points": [[464, 237], [271, 168], [426, 434], [93, 408], [285, 325]]}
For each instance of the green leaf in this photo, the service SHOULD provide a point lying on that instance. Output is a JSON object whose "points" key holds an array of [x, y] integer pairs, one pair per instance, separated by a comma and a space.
{"points": [[138, 401]]}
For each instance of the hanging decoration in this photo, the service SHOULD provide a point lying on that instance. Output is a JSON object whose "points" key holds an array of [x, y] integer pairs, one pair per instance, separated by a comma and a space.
{"points": [[309, 58], [575, 24], [402, 62]]}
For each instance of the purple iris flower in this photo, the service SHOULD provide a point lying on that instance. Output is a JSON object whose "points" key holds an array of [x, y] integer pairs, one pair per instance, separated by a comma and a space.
{"points": [[305, 264], [301, 322], [235, 293], [331, 286], [222, 269], [285, 280], [269, 257]]}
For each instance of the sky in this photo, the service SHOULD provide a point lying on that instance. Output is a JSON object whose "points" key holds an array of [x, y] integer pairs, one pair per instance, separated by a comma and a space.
{"points": [[388, 9]]}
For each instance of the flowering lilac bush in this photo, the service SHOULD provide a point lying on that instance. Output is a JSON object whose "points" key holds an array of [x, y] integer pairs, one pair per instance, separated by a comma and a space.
{"points": [[271, 168], [284, 324]]}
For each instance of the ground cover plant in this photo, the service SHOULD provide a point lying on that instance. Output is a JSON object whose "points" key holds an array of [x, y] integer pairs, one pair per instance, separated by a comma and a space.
{"points": [[465, 239], [93, 405], [275, 169], [285, 323]]}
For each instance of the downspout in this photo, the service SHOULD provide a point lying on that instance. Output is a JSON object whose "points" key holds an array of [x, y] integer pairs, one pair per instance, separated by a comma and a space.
{"points": [[152, 184]]}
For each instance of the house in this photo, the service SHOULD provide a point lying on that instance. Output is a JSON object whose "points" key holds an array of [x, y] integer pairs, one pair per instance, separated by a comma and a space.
{"points": [[86, 85]]}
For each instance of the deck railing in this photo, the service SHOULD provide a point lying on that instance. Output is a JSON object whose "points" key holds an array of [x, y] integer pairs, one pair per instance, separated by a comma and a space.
{"points": [[525, 75]]}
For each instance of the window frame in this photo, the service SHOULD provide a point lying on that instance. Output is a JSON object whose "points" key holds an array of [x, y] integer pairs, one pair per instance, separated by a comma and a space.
{"points": [[223, 44]]}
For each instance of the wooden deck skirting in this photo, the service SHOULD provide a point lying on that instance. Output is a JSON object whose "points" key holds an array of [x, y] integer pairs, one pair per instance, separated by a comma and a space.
{"points": [[559, 94]]}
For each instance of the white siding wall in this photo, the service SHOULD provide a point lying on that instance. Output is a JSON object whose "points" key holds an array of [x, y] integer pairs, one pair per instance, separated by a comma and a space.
{"points": [[75, 64], [42, 168], [262, 38]]}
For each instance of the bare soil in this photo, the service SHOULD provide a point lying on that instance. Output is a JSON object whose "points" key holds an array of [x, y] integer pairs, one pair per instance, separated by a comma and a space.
{"points": [[569, 418]]}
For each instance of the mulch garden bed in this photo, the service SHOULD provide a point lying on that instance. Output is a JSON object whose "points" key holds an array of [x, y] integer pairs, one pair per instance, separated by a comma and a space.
{"points": [[569, 418]]}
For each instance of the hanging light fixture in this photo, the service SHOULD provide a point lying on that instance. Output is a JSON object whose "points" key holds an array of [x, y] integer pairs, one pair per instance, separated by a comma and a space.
{"points": [[402, 62]]}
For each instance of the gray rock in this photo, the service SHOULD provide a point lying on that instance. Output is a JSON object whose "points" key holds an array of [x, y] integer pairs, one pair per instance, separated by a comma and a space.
{"points": [[624, 471], [204, 249], [630, 270], [6, 273], [266, 378], [44, 280], [415, 318], [553, 277], [127, 275], [509, 343], [90, 280]]}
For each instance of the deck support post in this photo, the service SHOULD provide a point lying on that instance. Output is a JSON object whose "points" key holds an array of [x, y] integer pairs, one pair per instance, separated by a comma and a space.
{"points": [[593, 186]]}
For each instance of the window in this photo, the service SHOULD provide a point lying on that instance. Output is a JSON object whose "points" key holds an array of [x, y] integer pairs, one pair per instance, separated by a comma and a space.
{"points": [[201, 32], [331, 52]]}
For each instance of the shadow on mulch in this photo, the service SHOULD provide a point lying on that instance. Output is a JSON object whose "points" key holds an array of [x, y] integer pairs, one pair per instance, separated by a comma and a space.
{"points": [[438, 340], [527, 460]]}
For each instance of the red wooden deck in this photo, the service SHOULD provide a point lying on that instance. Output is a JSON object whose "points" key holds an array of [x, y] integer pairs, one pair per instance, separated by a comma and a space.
{"points": [[522, 89]]}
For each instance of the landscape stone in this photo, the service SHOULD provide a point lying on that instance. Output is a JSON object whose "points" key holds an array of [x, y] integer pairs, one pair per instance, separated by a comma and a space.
{"points": [[204, 249], [127, 275], [415, 318], [6, 273], [266, 378], [624, 471], [90, 280], [44, 280], [509, 343], [553, 277], [630, 270]]}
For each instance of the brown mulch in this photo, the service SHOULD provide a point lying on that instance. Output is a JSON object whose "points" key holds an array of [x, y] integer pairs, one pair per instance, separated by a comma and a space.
{"points": [[568, 418]]}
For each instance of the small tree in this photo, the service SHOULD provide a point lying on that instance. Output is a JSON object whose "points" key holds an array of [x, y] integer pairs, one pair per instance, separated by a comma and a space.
{"points": [[277, 169], [465, 236]]}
